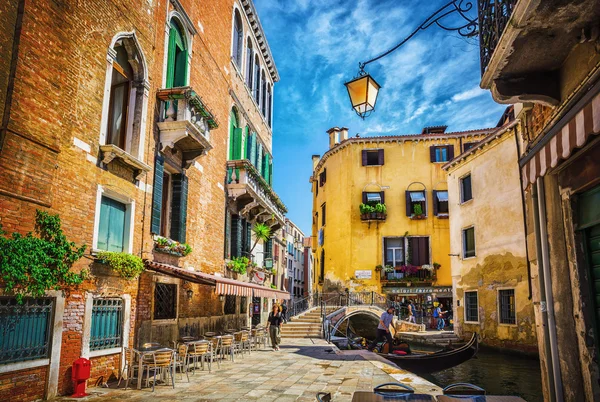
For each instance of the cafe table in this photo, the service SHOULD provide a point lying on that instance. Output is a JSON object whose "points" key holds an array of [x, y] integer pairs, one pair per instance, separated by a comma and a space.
{"points": [[479, 398], [368, 396], [141, 352]]}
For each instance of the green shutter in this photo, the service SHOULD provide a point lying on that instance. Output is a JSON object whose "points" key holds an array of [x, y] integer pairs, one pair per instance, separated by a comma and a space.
{"points": [[179, 207], [227, 234], [245, 140], [271, 174], [237, 143], [236, 236], [102, 243], [181, 68], [116, 230], [259, 158], [267, 164], [253, 149], [157, 195], [248, 238], [171, 57]]}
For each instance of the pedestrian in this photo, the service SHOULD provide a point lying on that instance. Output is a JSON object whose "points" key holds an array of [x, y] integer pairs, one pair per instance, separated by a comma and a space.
{"points": [[284, 312], [438, 313], [383, 329], [273, 324], [411, 313]]}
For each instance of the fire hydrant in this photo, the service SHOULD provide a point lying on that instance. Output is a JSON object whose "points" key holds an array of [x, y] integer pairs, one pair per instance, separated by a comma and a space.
{"points": [[80, 372]]}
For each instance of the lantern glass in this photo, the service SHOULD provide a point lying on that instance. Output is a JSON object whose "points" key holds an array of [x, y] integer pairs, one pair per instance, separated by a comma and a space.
{"points": [[363, 93]]}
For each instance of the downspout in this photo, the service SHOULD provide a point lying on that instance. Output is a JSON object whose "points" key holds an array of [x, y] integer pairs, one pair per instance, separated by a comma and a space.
{"points": [[529, 287], [550, 340]]}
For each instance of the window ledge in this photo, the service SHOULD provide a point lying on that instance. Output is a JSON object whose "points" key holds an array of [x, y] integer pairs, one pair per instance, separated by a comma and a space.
{"points": [[372, 165], [469, 258], [165, 321], [418, 217], [472, 322], [104, 352], [7, 368], [507, 325], [443, 216], [111, 151], [466, 202]]}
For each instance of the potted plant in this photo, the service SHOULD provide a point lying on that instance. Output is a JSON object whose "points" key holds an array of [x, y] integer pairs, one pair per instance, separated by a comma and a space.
{"points": [[161, 243], [366, 211], [380, 211], [378, 268], [239, 265], [436, 265], [418, 212], [273, 286]]}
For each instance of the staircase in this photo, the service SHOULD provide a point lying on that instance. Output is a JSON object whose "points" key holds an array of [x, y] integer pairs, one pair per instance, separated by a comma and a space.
{"points": [[307, 325]]}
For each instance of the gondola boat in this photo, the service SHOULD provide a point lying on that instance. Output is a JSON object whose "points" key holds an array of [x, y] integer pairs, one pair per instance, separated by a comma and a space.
{"points": [[437, 361]]}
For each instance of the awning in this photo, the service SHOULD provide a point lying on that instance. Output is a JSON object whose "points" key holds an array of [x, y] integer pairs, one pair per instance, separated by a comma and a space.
{"points": [[223, 286], [571, 132], [417, 196], [373, 197], [442, 196]]}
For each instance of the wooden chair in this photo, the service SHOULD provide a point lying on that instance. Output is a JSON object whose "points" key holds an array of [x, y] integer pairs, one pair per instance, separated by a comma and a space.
{"points": [[201, 350], [181, 360], [227, 346], [242, 342], [160, 361]]}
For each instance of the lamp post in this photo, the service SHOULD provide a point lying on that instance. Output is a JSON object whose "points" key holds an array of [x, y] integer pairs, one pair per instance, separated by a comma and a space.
{"points": [[363, 89]]}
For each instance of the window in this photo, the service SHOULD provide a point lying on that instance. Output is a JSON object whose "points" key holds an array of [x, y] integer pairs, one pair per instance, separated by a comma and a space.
{"points": [[468, 145], [416, 203], [441, 153], [507, 306], [238, 34], [177, 59], [243, 305], [249, 70], [466, 192], [122, 77], [165, 301], [322, 273], [256, 88], [107, 324], [469, 242], [471, 308], [373, 198], [322, 177], [394, 251], [418, 248], [440, 202], [269, 104], [372, 157], [263, 94], [26, 329], [111, 230], [323, 215], [229, 304]]}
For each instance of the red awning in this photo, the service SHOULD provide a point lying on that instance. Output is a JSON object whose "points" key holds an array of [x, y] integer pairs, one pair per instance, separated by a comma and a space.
{"points": [[223, 286], [574, 133]]}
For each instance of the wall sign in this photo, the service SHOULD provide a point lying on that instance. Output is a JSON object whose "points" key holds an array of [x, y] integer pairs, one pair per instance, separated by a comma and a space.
{"points": [[363, 274]]}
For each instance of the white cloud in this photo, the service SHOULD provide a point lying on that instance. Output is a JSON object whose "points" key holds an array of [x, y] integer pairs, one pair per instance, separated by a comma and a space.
{"points": [[468, 94]]}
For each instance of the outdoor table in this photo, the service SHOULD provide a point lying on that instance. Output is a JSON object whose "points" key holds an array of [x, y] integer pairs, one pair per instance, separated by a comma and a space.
{"points": [[479, 398], [368, 396], [210, 334], [141, 353], [231, 330]]}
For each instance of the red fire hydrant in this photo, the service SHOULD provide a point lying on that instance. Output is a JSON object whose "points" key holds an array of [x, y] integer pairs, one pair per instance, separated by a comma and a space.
{"points": [[80, 372]]}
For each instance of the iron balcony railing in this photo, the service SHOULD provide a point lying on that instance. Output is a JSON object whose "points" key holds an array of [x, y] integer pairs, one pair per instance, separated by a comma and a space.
{"points": [[493, 17]]}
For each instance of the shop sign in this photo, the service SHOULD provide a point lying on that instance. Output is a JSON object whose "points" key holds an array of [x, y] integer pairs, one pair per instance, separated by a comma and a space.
{"points": [[412, 291], [258, 277], [363, 274]]}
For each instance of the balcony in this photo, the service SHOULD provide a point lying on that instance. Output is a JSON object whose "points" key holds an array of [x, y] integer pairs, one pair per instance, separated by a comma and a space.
{"points": [[415, 277], [524, 45], [253, 196], [185, 123], [111, 152]]}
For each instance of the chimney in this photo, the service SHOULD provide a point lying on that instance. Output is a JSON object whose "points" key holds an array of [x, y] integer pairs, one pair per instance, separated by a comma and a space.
{"points": [[337, 135], [315, 160]]}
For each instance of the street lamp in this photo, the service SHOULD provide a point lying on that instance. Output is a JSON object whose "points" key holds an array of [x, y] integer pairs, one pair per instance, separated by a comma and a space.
{"points": [[363, 89]]}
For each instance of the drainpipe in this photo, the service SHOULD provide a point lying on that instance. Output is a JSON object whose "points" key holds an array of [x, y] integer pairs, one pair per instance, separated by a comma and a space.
{"points": [[546, 297]]}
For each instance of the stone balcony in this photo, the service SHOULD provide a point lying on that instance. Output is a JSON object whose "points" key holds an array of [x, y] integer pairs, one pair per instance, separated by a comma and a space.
{"points": [[253, 196], [524, 46], [185, 123]]}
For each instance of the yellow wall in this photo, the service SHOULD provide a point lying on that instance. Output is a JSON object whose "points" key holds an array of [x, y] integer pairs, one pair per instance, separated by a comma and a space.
{"points": [[351, 244], [500, 263]]}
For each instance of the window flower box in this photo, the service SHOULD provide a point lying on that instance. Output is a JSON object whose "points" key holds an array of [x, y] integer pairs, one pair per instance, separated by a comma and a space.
{"points": [[418, 217], [172, 247], [376, 212]]}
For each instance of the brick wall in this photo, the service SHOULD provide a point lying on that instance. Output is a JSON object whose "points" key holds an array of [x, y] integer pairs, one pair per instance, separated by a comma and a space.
{"points": [[24, 385]]}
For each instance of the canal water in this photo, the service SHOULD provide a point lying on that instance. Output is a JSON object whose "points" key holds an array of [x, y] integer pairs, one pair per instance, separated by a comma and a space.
{"points": [[498, 373]]}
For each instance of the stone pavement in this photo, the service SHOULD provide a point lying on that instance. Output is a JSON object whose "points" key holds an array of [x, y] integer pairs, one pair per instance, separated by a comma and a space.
{"points": [[297, 372]]}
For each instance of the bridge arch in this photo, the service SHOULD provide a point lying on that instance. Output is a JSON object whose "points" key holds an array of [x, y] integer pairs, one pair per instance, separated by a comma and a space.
{"points": [[372, 312]]}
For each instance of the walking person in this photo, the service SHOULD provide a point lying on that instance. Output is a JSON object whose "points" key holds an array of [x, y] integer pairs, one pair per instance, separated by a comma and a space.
{"points": [[383, 329], [438, 313], [273, 324], [284, 310], [411, 313]]}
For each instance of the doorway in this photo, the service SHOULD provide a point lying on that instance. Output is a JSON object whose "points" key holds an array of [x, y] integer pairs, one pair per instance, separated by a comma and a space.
{"points": [[256, 311]]}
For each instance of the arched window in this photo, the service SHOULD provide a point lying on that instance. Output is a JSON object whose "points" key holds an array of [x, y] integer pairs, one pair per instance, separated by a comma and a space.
{"points": [[249, 63], [177, 59], [269, 104], [263, 91], [238, 34], [256, 79], [120, 87]]}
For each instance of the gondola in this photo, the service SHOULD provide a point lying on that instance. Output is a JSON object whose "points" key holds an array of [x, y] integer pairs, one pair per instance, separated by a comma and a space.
{"points": [[437, 361]]}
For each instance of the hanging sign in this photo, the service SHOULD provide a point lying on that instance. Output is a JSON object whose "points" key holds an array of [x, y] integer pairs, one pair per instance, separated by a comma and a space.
{"points": [[258, 277]]}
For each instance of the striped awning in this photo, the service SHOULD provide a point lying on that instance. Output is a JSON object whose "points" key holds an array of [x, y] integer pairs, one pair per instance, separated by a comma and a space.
{"points": [[223, 286], [569, 134]]}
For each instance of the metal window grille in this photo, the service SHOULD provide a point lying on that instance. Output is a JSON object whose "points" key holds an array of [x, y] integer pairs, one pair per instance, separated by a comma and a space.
{"points": [[471, 312], [165, 301], [244, 305], [230, 304], [107, 324], [25, 329], [507, 306]]}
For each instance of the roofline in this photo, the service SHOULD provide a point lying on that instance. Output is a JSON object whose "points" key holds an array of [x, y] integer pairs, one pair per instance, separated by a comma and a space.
{"points": [[480, 145], [259, 34], [295, 226], [399, 138]]}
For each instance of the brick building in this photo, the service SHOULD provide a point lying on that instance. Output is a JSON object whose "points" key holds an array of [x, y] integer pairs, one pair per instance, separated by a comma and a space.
{"points": [[119, 117]]}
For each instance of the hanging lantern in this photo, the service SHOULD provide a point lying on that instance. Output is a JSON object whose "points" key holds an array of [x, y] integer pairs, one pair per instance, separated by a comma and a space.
{"points": [[363, 94]]}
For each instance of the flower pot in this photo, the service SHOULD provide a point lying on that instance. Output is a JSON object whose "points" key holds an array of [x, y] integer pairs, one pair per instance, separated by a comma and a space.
{"points": [[373, 215], [364, 217]]}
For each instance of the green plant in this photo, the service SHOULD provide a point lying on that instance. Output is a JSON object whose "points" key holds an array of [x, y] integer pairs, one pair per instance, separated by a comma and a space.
{"points": [[239, 265], [273, 286], [261, 232], [161, 241], [29, 265], [378, 268], [187, 249], [128, 266], [380, 208], [418, 210], [436, 265], [389, 268], [274, 271], [366, 209]]}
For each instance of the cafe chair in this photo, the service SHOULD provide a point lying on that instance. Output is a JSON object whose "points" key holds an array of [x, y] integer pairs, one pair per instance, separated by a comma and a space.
{"points": [[181, 361], [324, 397], [161, 362], [131, 365], [388, 391], [227, 346], [242, 342], [216, 350], [199, 351], [463, 389]]}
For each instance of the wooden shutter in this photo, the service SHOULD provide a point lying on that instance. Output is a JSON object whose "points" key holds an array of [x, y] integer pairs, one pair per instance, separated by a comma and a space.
{"points": [[171, 57], [244, 145], [450, 150], [236, 236], [266, 164], [408, 204], [364, 197], [259, 158], [179, 207], [157, 194], [380, 156], [237, 143], [271, 173], [116, 227], [432, 154], [227, 241], [419, 250], [364, 157], [382, 195], [253, 149], [435, 202], [269, 248]]}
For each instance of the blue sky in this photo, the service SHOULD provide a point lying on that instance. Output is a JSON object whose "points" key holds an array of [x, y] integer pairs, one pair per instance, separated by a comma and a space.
{"points": [[317, 44]]}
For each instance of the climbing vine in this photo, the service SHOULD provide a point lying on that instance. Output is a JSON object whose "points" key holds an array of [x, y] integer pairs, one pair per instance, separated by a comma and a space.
{"points": [[30, 265]]}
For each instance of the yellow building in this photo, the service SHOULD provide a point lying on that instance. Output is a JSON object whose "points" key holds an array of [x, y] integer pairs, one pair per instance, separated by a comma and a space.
{"points": [[352, 247], [492, 293]]}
